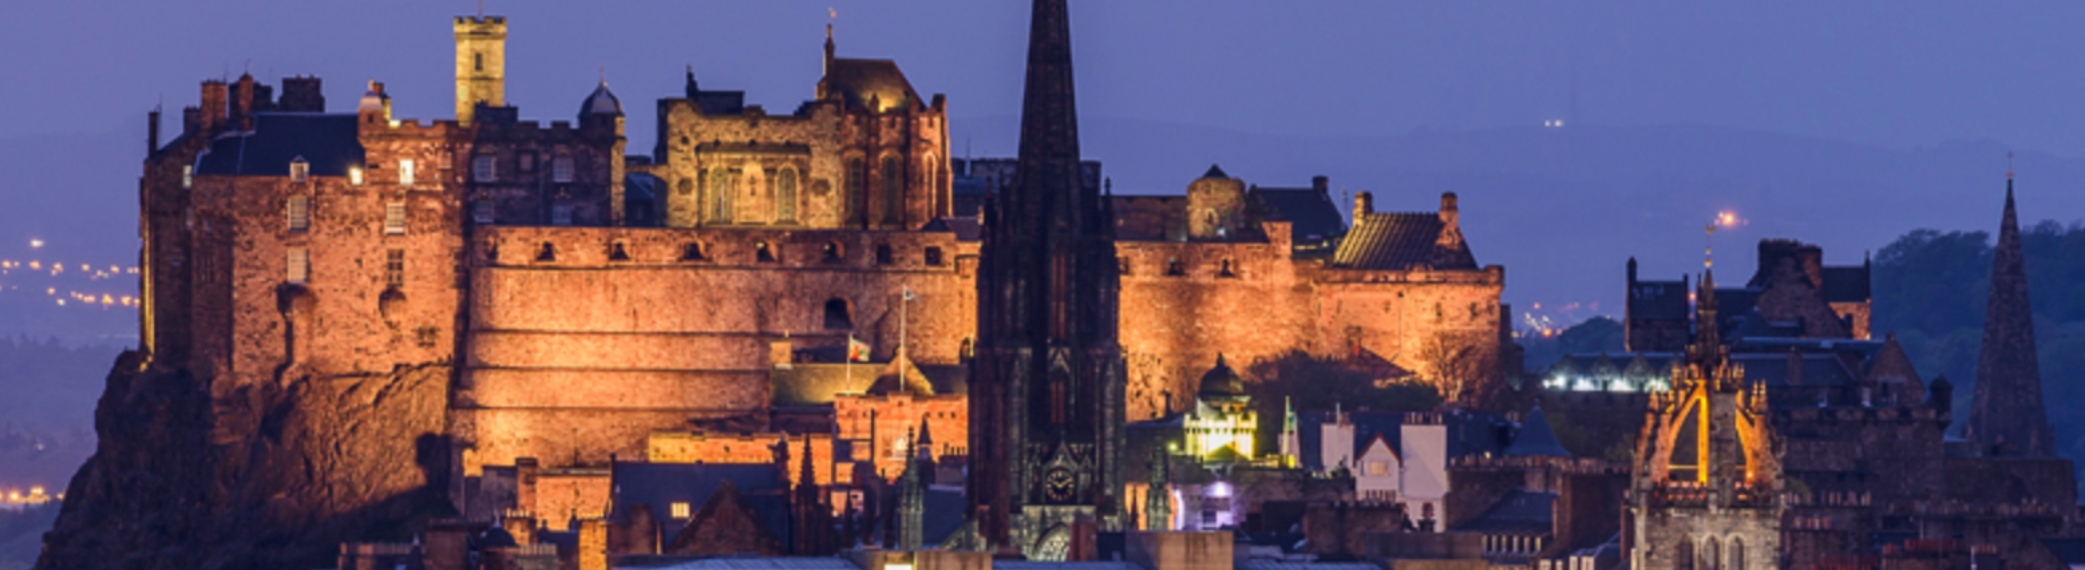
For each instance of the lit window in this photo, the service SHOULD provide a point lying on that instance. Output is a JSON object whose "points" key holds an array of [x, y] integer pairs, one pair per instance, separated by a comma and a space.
{"points": [[299, 170], [1378, 468], [405, 173], [680, 510], [482, 212], [394, 218], [187, 176], [298, 265], [561, 169], [394, 268], [483, 169], [299, 213], [354, 175]]}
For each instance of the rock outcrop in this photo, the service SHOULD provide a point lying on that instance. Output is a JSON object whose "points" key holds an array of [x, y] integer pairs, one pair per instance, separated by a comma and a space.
{"points": [[254, 477]]}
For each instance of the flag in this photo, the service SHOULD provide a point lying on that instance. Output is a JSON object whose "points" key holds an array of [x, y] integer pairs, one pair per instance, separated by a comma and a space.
{"points": [[857, 351]]}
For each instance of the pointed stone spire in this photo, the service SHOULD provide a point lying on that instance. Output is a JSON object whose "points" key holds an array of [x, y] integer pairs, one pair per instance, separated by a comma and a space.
{"points": [[2007, 414], [912, 498]]}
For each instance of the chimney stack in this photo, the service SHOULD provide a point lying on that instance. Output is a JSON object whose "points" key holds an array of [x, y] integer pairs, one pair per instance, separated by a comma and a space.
{"points": [[216, 96], [152, 132], [302, 94], [1322, 184], [1451, 216], [1364, 204]]}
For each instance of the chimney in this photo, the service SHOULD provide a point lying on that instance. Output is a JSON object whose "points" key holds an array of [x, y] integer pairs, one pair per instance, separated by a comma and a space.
{"points": [[242, 103], [1451, 216], [302, 94], [191, 119], [1632, 272], [1321, 184], [152, 132], [216, 95], [1364, 204]]}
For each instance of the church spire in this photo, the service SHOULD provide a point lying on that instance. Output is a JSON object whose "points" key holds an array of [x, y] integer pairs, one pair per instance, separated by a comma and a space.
{"points": [[2007, 414]]}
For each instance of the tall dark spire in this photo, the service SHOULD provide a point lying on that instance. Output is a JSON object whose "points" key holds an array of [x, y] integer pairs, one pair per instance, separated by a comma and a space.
{"points": [[1046, 388], [2007, 415]]}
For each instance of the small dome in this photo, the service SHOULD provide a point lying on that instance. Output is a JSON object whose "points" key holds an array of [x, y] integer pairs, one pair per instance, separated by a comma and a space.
{"points": [[373, 100], [1221, 382], [601, 102]]}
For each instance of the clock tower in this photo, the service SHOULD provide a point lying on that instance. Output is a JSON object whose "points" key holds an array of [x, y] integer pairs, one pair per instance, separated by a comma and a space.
{"points": [[1046, 387]]}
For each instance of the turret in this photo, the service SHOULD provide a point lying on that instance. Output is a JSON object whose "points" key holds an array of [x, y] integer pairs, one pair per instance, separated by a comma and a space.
{"points": [[481, 64]]}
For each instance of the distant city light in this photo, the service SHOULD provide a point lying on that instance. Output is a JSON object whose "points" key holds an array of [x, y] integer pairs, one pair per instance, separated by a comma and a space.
{"points": [[1728, 219], [35, 244], [1554, 123]]}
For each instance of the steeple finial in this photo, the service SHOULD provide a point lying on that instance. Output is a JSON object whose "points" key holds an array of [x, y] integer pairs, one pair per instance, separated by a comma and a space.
{"points": [[2008, 171]]}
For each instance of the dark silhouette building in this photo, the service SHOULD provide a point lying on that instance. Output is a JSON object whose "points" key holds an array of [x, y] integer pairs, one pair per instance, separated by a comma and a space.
{"points": [[1048, 382]]}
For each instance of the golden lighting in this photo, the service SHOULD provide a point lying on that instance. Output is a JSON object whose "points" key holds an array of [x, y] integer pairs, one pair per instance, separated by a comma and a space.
{"points": [[35, 244]]}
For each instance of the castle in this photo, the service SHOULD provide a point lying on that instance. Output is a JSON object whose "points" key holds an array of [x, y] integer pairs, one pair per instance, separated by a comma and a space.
{"points": [[574, 305]]}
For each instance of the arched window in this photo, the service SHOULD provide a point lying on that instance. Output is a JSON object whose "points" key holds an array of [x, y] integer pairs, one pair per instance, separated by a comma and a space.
{"points": [[837, 314], [1683, 555], [616, 252], [692, 252], [1737, 553], [857, 191], [1710, 555], [720, 195], [893, 190], [834, 253], [548, 253], [1225, 271], [763, 253], [785, 196]]}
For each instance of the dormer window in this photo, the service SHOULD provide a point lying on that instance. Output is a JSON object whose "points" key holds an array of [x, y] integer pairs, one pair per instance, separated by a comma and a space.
{"points": [[483, 169], [300, 171], [561, 170], [405, 173]]}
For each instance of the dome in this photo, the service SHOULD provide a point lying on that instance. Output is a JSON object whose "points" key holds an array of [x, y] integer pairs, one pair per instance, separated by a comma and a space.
{"points": [[1221, 382], [601, 102]]}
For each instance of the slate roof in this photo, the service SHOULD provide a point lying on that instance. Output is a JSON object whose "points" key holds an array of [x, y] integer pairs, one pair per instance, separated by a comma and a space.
{"points": [[1311, 214], [1150, 218], [1846, 284], [1399, 241], [863, 79], [1660, 300], [331, 143], [942, 515], [1519, 512], [662, 484], [752, 563], [1536, 439]]}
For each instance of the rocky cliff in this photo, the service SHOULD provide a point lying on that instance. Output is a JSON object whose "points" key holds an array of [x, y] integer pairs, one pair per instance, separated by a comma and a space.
{"points": [[256, 477]]}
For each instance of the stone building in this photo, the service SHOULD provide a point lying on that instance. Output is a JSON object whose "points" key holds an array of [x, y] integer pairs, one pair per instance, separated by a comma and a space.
{"points": [[1705, 491]]}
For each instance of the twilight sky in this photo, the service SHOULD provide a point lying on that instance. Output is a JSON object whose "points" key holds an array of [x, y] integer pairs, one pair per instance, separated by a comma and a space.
{"points": [[1915, 101]]}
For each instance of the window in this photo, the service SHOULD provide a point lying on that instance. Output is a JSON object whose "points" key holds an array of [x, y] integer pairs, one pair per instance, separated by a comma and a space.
{"points": [[692, 252], [617, 253], [300, 170], [298, 265], [405, 173], [483, 169], [1225, 271], [1173, 267], [394, 219], [679, 510], [548, 253], [893, 190], [299, 212], [1122, 265], [1378, 468], [561, 213], [884, 256], [785, 196], [188, 176], [837, 315], [482, 212], [561, 170], [478, 61], [354, 175], [934, 256], [394, 268], [527, 160], [833, 252], [763, 253], [857, 190], [720, 195]]}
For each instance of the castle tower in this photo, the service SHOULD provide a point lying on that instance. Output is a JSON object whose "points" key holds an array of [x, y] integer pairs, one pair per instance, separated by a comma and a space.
{"points": [[481, 64], [1705, 487], [1047, 384], [2007, 414], [1215, 206]]}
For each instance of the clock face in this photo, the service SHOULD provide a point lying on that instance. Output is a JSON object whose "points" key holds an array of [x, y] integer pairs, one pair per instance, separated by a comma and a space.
{"points": [[1059, 484]]}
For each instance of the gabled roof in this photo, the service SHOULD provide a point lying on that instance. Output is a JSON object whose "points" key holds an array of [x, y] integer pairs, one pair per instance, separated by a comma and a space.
{"points": [[1536, 439], [330, 143], [863, 79], [1400, 241], [659, 485]]}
